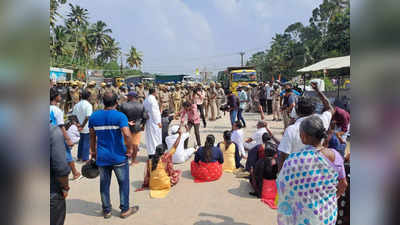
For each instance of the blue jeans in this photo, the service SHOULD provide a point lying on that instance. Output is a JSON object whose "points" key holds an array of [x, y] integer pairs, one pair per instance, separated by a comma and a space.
{"points": [[122, 173], [84, 147], [240, 117], [68, 154], [233, 115]]}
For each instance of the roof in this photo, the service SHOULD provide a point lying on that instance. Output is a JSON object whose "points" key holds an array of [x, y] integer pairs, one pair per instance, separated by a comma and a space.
{"points": [[331, 63]]}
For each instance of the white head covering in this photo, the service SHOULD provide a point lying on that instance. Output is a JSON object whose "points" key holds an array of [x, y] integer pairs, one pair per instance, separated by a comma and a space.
{"points": [[174, 129]]}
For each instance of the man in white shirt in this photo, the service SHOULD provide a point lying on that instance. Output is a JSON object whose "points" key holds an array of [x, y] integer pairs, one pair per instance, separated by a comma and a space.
{"points": [[153, 124], [181, 155], [237, 138], [305, 107], [256, 139], [83, 110]]}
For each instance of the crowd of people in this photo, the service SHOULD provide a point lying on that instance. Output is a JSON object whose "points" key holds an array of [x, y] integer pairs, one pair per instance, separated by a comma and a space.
{"points": [[302, 175]]}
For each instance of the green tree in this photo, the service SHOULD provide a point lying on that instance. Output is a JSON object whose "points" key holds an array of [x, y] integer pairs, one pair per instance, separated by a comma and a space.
{"points": [[134, 58]]}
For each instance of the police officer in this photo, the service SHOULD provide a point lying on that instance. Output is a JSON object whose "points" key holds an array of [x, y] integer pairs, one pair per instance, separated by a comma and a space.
{"points": [[93, 94], [163, 98], [140, 92], [177, 98], [212, 98], [220, 99], [62, 89], [74, 92]]}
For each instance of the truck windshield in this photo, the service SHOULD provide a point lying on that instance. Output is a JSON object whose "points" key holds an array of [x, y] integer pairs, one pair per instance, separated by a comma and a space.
{"points": [[244, 76]]}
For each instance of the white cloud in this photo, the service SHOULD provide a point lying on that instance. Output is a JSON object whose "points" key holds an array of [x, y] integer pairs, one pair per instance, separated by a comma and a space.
{"points": [[169, 32]]}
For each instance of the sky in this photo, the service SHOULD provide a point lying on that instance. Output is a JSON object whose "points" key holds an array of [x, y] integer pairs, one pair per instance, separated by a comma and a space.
{"points": [[179, 36]]}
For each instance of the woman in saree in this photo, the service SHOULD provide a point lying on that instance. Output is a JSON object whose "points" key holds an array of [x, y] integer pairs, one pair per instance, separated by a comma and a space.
{"points": [[208, 161], [311, 180], [231, 153], [160, 173]]}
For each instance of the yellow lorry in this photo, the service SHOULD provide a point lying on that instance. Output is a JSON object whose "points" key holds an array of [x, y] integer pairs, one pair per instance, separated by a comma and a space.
{"points": [[233, 77]]}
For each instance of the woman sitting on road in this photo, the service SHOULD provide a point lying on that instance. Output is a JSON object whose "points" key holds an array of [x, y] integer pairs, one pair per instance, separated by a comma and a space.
{"points": [[230, 152], [263, 175], [207, 164], [160, 173], [311, 181]]}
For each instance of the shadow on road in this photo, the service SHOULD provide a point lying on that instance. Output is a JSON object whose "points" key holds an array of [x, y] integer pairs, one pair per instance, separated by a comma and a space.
{"points": [[226, 220], [243, 190], [79, 206], [187, 174]]}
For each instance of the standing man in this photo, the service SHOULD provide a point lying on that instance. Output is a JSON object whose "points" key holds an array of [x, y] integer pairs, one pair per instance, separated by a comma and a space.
{"points": [[101, 94], [153, 124], [93, 94], [111, 145], [233, 104], [289, 102], [137, 117], [83, 110], [140, 92], [74, 92], [212, 100], [177, 98], [260, 100], [242, 105], [276, 103], [164, 98], [206, 102], [220, 99], [268, 90], [57, 119], [59, 171], [262, 97]]}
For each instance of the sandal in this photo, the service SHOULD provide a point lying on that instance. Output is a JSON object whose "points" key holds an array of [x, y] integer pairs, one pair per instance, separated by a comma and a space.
{"points": [[129, 212]]}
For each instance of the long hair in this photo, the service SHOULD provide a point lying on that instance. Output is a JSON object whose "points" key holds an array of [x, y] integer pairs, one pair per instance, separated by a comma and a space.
{"points": [[210, 140], [160, 149], [227, 139], [270, 170]]}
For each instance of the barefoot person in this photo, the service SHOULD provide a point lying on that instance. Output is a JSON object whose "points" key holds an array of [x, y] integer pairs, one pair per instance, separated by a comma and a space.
{"points": [[111, 145]]}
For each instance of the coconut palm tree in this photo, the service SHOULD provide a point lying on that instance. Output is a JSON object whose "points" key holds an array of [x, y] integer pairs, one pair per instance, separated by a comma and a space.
{"points": [[99, 35], [134, 58], [109, 52]]}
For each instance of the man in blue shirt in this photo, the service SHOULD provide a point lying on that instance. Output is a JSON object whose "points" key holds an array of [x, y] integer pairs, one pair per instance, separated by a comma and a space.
{"points": [[111, 145]]}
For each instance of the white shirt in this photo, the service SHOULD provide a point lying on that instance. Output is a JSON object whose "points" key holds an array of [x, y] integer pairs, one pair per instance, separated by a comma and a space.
{"points": [[291, 141], [57, 114], [73, 133], [170, 141], [150, 104], [81, 110], [257, 136], [237, 138], [268, 92]]}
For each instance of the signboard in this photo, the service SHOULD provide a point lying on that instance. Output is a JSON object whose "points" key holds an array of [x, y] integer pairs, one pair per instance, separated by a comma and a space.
{"points": [[95, 73]]}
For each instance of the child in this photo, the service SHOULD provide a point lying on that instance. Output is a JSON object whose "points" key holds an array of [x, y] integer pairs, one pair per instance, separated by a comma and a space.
{"points": [[166, 119], [72, 129]]}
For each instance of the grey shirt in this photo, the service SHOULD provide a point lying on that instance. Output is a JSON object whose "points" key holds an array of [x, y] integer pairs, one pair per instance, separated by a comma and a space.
{"points": [[58, 160]]}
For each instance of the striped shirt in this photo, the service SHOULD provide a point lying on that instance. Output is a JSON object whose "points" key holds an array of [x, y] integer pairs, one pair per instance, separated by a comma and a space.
{"points": [[111, 148]]}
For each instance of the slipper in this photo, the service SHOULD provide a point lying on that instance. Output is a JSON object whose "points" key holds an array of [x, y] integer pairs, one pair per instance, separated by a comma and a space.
{"points": [[129, 212], [77, 177]]}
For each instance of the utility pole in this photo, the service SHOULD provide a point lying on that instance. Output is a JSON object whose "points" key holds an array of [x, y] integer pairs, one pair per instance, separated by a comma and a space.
{"points": [[241, 56]]}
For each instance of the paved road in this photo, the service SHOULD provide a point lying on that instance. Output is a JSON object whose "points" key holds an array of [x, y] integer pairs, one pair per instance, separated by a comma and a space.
{"points": [[224, 202]]}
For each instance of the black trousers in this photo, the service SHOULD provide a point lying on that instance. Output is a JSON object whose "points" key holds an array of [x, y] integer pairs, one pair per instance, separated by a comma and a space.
{"points": [[57, 209], [263, 103], [269, 106], [201, 110], [196, 132]]}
